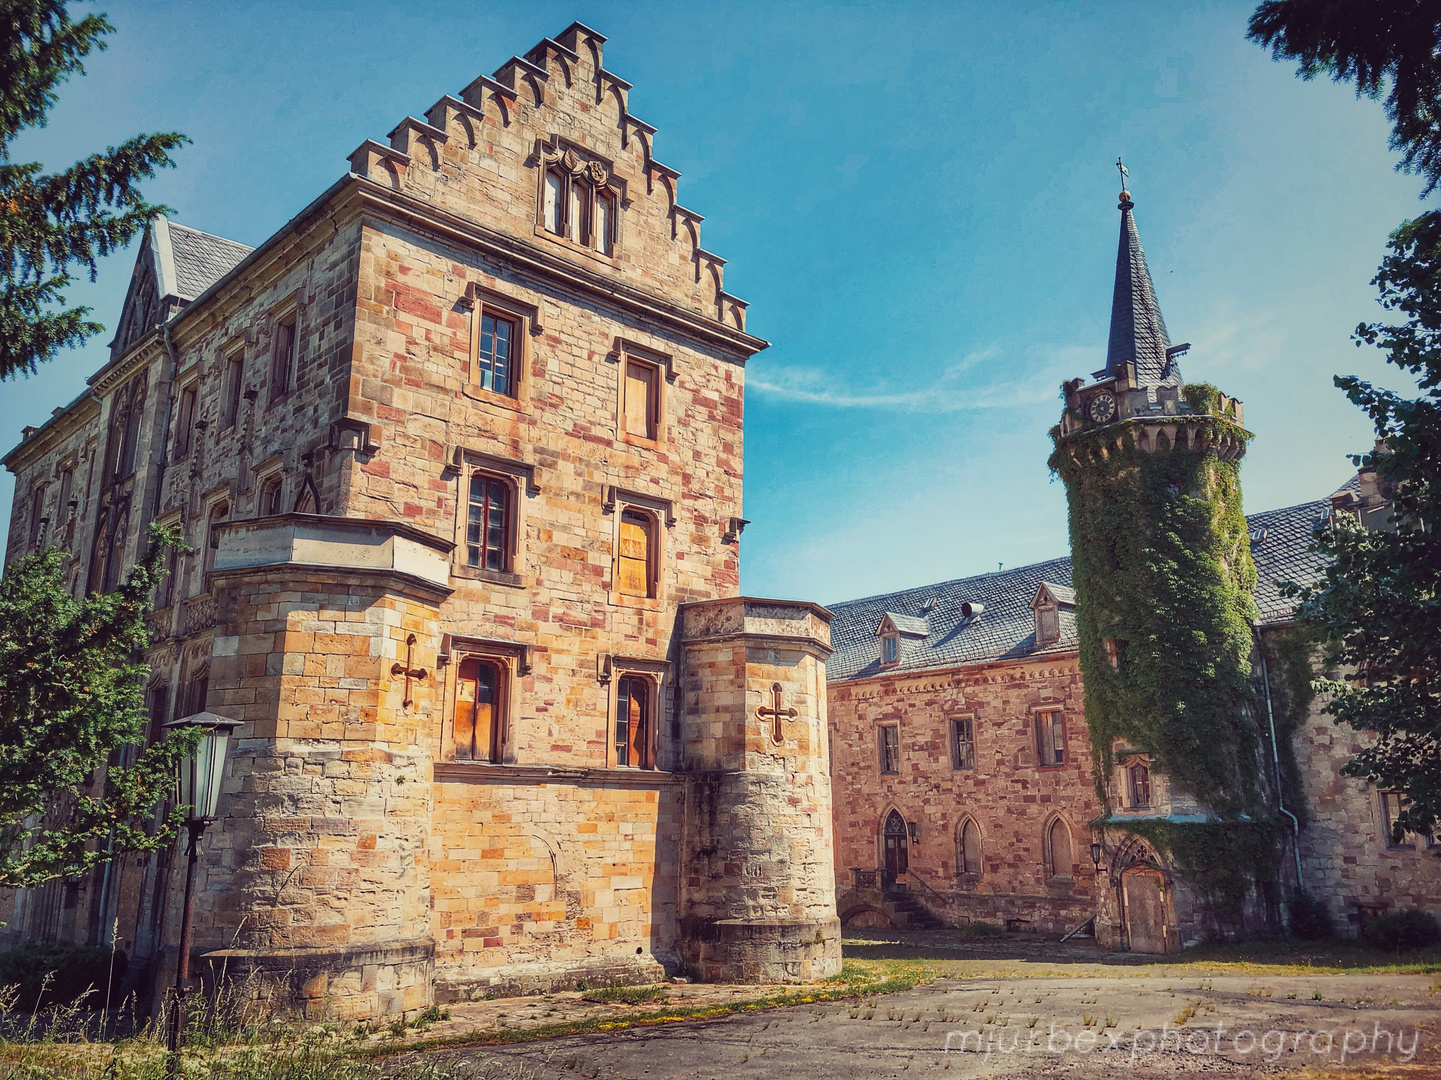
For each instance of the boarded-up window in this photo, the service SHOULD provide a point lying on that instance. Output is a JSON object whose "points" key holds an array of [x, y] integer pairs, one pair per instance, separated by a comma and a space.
{"points": [[632, 723], [633, 568], [550, 202], [969, 855], [477, 710], [1048, 625], [1050, 739], [282, 362], [642, 382], [890, 748], [578, 219], [1059, 849], [487, 524], [1138, 781], [232, 387], [185, 421], [605, 223]]}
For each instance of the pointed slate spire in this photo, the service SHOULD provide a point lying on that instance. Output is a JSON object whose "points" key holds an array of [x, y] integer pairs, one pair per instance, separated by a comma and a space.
{"points": [[1138, 333]]}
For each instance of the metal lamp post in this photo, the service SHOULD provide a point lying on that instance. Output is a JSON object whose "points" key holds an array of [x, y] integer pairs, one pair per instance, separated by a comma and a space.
{"points": [[200, 776]]}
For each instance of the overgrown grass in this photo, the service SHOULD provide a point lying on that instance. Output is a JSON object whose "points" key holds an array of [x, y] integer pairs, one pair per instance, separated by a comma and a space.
{"points": [[625, 995]]}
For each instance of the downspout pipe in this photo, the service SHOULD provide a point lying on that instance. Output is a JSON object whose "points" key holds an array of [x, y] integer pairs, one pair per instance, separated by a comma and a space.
{"points": [[1276, 761]]}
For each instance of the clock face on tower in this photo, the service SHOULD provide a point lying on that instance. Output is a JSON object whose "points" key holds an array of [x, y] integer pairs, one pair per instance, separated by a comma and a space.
{"points": [[1102, 408]]}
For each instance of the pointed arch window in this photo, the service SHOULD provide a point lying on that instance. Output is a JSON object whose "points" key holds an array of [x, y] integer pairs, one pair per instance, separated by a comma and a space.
{"points": [[1058, 849], [968, 848]]}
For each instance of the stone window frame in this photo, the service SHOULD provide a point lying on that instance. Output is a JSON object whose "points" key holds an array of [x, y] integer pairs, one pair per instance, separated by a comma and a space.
{"points": [[614, 668], [204, 559], [624, 352], [952, 722], [480, 300], [661, 513], [882, 726], [168, 588], [1048, 855], [1410, 840], [1139, 764], [513, 659], [187, 411], [286, 312], [519, 477], [1055, 709], [965, 876], [569, 162], [39, 521], [268, 472]]}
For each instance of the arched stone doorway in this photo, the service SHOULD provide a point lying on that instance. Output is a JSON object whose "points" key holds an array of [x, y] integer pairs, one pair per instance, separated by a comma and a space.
{"points": [[1146, 903], [894, 846]]}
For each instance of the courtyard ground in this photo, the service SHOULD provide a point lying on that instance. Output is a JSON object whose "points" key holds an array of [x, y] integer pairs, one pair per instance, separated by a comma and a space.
{"points": [[946, 1006]]}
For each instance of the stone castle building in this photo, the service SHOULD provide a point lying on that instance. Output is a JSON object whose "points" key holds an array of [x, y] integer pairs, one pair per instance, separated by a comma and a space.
{"points": [[962, 739], [458, 451]]}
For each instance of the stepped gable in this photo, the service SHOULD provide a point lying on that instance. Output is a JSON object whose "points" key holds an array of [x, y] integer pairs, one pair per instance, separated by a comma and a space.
{"points": [[1006, 629], [482, 152]]}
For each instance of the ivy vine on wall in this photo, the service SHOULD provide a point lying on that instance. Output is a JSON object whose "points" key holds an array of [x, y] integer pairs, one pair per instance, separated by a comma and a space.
{"points": [[1161, 562]]}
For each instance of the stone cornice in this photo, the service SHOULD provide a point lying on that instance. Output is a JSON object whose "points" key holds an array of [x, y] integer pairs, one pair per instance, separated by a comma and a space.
{"points": [[83, 410], [1052, 665]]}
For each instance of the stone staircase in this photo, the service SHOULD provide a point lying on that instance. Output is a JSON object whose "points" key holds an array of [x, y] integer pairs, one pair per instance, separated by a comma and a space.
{"points": [[907, 911]]}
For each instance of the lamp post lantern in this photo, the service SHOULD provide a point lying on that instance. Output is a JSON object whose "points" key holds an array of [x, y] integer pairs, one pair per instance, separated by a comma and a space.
{"points": [[1096, 851], [200, 775]]}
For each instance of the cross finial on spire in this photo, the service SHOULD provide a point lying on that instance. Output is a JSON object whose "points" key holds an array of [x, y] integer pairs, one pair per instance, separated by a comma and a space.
{"points": [[1125, 194]]}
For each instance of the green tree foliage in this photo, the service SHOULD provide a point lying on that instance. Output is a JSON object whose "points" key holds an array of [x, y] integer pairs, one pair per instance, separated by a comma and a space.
{"points": [[1379, 605], [50, 223], [71, 704], [1370, 43]]}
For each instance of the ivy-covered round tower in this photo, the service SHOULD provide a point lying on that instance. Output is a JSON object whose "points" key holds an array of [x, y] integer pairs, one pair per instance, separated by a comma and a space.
{"points": [[1163, 577]]}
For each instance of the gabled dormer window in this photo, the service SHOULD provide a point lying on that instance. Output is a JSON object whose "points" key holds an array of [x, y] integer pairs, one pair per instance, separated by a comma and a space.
{"points": [[895, 626], [1047, 604]]}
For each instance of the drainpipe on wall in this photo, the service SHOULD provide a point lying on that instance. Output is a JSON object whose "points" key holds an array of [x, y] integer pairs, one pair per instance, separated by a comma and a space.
{"points": [[1276, 761]]}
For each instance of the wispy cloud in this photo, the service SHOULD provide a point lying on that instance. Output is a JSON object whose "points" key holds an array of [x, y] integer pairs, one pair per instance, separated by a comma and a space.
{"points": [[988, 379]]}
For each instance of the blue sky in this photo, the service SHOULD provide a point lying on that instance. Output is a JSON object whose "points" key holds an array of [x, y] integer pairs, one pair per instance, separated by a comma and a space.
{"points": [[917, 199]]}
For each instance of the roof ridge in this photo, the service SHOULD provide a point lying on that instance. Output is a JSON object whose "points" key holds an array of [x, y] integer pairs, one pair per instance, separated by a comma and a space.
{"points": [[950, 581]]}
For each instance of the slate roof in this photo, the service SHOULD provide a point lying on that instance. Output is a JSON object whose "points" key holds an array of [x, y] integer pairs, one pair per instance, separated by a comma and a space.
{"points": [[1006, 629], [909, 624], [1138, 332], [201, 259]]}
